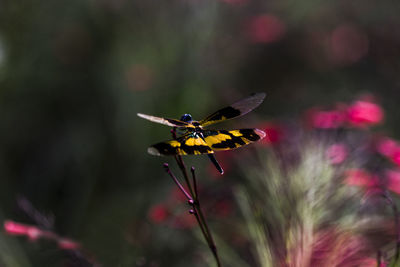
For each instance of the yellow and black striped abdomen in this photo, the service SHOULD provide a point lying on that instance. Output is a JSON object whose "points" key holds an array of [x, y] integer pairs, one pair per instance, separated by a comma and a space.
{"points": [[226, 140]]}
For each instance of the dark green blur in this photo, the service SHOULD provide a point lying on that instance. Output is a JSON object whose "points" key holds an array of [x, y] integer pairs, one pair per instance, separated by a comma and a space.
{"points": [[73, 75]]}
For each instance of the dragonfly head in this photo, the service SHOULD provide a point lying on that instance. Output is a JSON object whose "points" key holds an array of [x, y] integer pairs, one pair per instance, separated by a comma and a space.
{"points": [[186, 118]]}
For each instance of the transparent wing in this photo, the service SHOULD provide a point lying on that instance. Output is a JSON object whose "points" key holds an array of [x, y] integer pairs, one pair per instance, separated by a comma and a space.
{"points": [[165, 121], [237, 109]]}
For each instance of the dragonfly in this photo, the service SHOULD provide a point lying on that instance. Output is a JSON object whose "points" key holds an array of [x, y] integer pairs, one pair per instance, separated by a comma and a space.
{"points": [[196, 140]]}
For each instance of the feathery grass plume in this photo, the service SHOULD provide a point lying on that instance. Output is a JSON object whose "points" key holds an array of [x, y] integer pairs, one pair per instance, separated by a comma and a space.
{"points": [[299, 212]]}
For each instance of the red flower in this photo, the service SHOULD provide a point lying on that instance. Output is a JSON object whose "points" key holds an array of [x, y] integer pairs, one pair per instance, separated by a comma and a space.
{"points": [[13, 228], [337, 153], [68, 244], [364, 113], [396, 156], [393, 180], [329, 119], [387, 147], [158, 213], [266, 29], [362, 178], [275, 133]]}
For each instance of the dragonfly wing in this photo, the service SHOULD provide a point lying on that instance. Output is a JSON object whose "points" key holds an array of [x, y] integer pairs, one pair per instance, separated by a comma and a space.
{"points": [[184, 145], [227, 140], [237, 109], [165, 121]]}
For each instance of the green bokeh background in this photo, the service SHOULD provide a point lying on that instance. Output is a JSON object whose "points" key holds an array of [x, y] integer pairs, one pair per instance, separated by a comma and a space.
{"points": [[73, 75]]}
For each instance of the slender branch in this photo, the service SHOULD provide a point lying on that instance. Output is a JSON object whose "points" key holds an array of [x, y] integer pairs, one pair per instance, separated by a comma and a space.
{"points": [[194, 182], [182, 166], [193, 200], [166, 167], [200, 217], [201, 225]]}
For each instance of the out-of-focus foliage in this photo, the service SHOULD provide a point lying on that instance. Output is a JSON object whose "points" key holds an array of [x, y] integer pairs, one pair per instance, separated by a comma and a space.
{"points": [[74, 74]]}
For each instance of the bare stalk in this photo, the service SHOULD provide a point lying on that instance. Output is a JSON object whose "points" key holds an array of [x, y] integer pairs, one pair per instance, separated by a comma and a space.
{"points": [[193, 199]]}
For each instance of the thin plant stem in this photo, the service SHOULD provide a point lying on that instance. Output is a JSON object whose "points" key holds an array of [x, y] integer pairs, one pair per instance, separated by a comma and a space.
{"points": [[166, 167], [193, 199], [201, 219], [194, 182], [190, 199]]}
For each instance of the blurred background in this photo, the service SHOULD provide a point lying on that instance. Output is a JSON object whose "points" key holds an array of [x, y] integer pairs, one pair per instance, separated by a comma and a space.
{"points": [[73, 76]]}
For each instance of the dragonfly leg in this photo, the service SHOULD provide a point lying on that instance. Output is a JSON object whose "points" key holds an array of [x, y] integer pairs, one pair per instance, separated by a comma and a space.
{"points": [[216, 164]]}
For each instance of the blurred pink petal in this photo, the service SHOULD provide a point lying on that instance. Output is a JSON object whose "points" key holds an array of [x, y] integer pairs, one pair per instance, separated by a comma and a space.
{"points": [[275, 133], [266, 29], [68, 244], [358, 177], [362, 178], [13, 228], [337, 153], [393, 180], [396, 156], [364, 113], [387, 146], [348, 44], [158, 213], [330, 119]]}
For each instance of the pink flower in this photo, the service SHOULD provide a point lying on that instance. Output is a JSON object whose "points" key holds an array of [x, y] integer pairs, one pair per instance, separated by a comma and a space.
{"points": [[396, 156], [393, 180], [362, 178], [330, 119], [266, 29], [364, 113], [337, 153], [13, 228], [68, 244], [275, 133], [387, 146], [158, 213]]}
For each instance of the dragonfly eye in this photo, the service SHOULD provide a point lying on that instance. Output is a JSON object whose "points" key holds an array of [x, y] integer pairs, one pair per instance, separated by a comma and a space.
{"points": [[186, 118]]}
